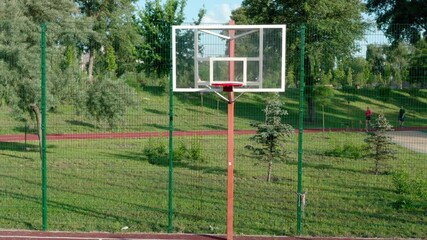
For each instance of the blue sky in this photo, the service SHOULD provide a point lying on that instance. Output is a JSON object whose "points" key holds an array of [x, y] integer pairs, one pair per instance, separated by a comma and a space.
{"points": [[217, 11]]}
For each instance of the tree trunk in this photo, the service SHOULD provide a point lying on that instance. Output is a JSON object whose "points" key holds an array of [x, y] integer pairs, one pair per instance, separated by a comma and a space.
{"points": [[270, 167], [309, 87], [36, 110], [91, 63]]}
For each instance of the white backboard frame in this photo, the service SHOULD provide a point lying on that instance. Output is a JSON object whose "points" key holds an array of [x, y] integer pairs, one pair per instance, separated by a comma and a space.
{"points": [[208, 29]]}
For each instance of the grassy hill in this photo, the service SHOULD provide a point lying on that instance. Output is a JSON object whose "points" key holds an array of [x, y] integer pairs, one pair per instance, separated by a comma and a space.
{"points": [[194, 111]]}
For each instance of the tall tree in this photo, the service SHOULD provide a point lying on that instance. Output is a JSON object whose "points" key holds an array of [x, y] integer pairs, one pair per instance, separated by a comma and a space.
{"points": [[271, 135], [111, 23], [20, 49], [332, 28], [400, 19], [418, 64], [155, 22]]}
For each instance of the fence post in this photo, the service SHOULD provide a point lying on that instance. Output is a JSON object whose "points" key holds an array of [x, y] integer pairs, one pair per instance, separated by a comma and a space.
{"points": [[43, 125], [170, 207], [300, 193]]}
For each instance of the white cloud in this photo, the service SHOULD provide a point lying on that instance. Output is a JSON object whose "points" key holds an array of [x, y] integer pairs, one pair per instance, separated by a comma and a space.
{"points": [[220, 13]]}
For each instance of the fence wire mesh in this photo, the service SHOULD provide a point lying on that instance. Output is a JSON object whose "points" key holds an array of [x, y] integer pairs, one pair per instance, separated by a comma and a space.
{"points": [[108, 150]]}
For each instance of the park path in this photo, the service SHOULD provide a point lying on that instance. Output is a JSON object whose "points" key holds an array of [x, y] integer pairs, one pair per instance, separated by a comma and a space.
{"points": [[413, 140]]}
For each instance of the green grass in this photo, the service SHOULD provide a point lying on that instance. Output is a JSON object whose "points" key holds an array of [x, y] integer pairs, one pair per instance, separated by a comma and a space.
{"points": [[151, 113], [103, 185]]}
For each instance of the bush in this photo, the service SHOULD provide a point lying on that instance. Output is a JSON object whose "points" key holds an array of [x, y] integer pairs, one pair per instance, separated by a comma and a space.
{"points": [[182, 153], [347, 151], [157, 153], [411, 192]]}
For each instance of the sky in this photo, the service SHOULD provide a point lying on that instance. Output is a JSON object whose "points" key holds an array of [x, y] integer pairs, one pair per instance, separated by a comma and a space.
{"points": [[217, 11]]}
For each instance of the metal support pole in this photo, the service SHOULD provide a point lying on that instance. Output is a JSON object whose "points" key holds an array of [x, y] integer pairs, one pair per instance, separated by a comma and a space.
{"points": [[300, 194], [43, 125], [170, 188], [230, 141]]}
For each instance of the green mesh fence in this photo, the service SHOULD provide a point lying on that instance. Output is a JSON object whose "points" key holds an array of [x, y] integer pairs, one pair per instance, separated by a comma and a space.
{"points": [[107, 145]]}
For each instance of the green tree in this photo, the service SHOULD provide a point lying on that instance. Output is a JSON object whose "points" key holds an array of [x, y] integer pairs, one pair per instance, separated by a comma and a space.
{"points": [[398, 58], [376, 58], [400, 20], [379, 144], [20, 51], [332, 28], [107, 100], [418, 64], [109, 23], [360, 69], [154, 22], [271, 135]]}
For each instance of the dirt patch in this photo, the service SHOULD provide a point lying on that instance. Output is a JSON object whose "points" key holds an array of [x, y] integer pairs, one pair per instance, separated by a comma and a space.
{"points": [[413, 140]]}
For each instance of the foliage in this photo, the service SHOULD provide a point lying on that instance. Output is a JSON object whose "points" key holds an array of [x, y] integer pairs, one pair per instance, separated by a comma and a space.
{"points": [[418, 64], [158, 154], [411, 192], [332, 29], [20, 51], [109, 24], [154, 24], [347, 150], [411, 14], [107, 100], [379, 144], [323, 95], [271, 135]]}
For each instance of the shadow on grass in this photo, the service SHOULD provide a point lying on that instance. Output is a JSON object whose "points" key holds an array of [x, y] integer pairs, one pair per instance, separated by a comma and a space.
{"points": [[324, 166], [19, 147], [155, 111], [76, 209], [80, 123]]}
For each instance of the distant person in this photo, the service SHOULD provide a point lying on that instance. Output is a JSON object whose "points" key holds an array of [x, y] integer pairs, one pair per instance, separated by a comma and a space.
{"points": [[368, 115], [401, 116]]}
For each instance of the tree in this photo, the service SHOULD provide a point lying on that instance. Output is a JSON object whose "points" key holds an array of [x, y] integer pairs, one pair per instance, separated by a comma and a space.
{"points": [[398, 58], [271, 134], [107, 100], [332, 28], [110, 23], [418, 64], [20, 51], [154, 24], [401, 20], [379, 144]]}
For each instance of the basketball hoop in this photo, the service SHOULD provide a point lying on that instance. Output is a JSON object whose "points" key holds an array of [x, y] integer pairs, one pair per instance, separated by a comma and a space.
{"points": [[227, 86]]}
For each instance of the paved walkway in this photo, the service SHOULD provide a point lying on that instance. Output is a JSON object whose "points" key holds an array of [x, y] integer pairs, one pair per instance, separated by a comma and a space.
{"points": [[414, 140]]}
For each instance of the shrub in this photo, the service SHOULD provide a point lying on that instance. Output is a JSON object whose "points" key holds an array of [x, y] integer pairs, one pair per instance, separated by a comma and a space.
{"points": [[156, 153], [347, 151], [379, 144], [411, 192]]}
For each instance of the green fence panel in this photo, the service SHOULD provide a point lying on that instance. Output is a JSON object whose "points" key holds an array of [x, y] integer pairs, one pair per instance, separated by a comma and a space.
{"points": [[108, 121]]}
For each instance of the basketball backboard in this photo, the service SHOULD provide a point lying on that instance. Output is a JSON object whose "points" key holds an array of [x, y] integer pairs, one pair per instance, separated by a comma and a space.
{"points": [[206, 56]]}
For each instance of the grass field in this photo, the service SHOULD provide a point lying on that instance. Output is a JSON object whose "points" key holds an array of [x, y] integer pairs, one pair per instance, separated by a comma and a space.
{"points": [[104, 185], [151, 114]]}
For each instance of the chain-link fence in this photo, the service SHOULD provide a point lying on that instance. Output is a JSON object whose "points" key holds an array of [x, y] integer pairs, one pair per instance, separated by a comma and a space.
{"points": [[109, 118]]}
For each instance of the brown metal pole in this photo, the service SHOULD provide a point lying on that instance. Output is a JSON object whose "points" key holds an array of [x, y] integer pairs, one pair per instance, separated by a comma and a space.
{"points": [[230, 141]]}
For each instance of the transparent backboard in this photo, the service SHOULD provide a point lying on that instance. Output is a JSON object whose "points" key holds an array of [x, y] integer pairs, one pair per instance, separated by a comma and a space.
{"points": [[253, 55]]}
